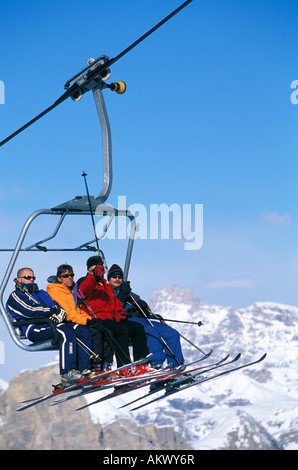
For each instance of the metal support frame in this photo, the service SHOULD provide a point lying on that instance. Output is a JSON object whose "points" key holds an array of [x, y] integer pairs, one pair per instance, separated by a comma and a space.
{"points": [[77, 206]]}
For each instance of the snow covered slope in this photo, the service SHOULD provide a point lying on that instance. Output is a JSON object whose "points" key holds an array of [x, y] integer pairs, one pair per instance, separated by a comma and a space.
{"points": [[256, 408]]}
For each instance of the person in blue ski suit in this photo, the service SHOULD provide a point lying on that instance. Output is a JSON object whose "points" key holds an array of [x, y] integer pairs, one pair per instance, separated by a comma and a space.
{"points": [[156, 335], [28, 302]]}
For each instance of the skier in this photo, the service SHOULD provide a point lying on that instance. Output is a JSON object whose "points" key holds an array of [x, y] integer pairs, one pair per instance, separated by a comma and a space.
{"points": [[163, 341], [28, 302], [63, 290], [100, 297]]}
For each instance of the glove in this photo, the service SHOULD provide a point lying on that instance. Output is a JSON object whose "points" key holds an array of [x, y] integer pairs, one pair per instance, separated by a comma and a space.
{"points": [[156, 316], [125, 288], [58, 317], [124, 291], [98, 272], [120, 315], [132, 312], [160, 318], [96, 323], [143, 305]]}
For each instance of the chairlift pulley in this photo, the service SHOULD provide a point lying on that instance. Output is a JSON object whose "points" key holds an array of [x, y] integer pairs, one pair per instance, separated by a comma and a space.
{"points": [[97, 69]]}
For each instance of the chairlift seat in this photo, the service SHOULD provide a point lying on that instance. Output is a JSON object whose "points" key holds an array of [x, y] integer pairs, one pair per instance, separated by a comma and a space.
{"points": [[24, 343]]}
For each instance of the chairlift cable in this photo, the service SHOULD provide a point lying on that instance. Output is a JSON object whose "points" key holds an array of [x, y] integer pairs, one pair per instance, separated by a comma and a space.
{"points": [[94, 72]]}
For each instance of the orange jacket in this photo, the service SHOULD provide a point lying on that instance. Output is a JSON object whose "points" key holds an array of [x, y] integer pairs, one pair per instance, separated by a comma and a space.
{"points": [[61, 294]]}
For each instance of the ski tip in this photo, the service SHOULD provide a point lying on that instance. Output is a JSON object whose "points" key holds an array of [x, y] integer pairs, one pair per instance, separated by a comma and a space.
{"points": [[83, 407], [263, 357], [21, 408]]}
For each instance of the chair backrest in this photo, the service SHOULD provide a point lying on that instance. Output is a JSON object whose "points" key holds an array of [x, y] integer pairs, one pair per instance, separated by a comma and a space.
{"points": [[20, 339]]}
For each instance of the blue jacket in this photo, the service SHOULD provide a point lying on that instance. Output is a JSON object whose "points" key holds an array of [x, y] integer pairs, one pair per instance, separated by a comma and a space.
{"points": [[21, 307]]}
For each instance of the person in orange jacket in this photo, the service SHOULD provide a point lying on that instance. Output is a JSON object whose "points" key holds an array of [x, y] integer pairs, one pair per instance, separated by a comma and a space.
{"points": [[63, 290]]}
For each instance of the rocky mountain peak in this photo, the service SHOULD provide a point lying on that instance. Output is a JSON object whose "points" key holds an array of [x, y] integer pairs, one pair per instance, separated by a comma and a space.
{"points": [[174, 295]]}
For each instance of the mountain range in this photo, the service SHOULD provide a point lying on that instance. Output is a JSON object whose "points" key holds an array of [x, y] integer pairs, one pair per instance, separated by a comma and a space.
{"points": [[250, 409]]}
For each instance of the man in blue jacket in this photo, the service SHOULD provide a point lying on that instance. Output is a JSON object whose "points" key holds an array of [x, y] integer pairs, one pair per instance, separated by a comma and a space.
{"points": [[28, 302], [163, 341]]}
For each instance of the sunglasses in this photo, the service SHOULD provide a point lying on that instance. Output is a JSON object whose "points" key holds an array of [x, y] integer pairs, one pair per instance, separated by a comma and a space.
{"points": [[28, 278], [67, 275], [115, 276]]}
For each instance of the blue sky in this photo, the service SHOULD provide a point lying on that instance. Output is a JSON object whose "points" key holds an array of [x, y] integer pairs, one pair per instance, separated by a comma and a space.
{"points": [[206, 119]]}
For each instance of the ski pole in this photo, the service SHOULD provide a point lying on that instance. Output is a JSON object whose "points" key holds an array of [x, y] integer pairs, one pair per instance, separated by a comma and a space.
{"points": [[186, 339], [162, 339], [87, 349], [199, 323]]}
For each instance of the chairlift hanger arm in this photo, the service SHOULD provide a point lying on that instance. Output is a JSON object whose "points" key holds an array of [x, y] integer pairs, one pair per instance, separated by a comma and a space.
{"points": [[95, 71], [110, 62]]}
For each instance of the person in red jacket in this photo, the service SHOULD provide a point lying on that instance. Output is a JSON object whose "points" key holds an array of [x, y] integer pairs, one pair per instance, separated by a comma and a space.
{"points": [[99, 296], [63, 289]]}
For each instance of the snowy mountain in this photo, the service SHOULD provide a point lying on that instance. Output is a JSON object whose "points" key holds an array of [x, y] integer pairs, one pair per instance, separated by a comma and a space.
{"points": [[254, 408]]}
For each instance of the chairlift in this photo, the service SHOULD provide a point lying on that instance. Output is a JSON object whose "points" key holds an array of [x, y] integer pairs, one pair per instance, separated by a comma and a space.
{"points": [[92, 78], [79, 205]]}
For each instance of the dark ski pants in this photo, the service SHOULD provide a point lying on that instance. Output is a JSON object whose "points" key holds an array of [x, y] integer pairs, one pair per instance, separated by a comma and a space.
{"points": [[137, 336], [102, 344], [122, 333], [159, 351], [71, 354]]}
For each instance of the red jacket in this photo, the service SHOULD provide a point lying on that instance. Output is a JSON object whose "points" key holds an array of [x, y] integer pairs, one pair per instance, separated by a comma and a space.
{"points": [[101, 299]]}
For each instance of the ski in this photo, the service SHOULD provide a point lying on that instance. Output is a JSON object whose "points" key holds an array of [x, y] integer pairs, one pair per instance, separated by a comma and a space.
{"points": [[80, 383], [158, 386], [95, 382], [121, 383], [125, 383], [174, 388], [121, 387], [162, 380]]}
